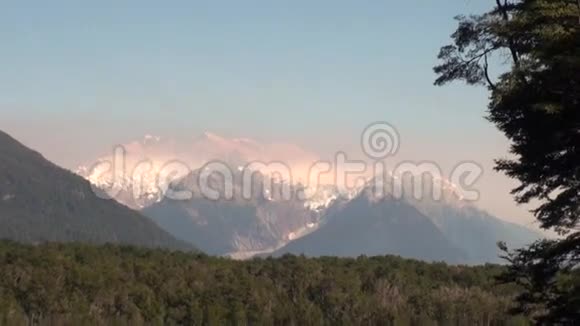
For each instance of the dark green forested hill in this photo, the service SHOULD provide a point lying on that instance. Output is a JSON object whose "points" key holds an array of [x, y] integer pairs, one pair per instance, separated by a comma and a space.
{"points": [[73, 284], [41, 202]]}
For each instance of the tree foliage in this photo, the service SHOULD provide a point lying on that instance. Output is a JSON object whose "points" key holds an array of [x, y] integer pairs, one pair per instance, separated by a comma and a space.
{"points": [[74, 284], [536, 104]]}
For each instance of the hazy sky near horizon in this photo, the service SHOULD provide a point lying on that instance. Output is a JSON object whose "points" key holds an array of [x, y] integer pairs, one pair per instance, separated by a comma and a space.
{"points": [[79, 77]]}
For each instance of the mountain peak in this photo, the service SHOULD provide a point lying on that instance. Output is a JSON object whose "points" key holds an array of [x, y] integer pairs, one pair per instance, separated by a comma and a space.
{"points": [[212, 136], [151, 138]]}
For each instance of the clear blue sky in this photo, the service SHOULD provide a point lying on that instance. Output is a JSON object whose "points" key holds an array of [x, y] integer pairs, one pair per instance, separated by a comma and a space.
{"points": [[78, 76], [230, 64]]}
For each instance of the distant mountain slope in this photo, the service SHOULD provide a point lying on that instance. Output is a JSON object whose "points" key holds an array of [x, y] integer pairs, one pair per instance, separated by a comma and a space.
{"points": [[40, 201], [476, 231], [365, 226], [238, 226]]}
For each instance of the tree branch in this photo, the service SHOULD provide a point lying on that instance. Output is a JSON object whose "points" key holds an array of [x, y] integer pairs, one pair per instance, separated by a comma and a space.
{"points": [[486, 72], [477, 57], [578, 2], [511, 45]]}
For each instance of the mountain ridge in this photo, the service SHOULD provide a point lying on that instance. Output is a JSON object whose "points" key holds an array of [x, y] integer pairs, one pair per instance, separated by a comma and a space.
{"points": [[366, 226], [42, 202], [265, 231]]}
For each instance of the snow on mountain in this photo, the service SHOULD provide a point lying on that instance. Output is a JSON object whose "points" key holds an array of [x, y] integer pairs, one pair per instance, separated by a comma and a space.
{"points": [[131, 172], [321, 197], [132, 175]]}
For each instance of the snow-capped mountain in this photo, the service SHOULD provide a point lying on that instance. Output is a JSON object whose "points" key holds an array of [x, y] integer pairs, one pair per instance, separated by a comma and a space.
{"points": [[378, 222], [235, 225], [240, 227], [136, 174], [369, 225], [131, 173]]}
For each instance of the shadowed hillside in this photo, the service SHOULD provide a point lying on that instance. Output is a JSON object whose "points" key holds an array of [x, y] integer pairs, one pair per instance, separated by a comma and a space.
{"points": [[40, 202]]}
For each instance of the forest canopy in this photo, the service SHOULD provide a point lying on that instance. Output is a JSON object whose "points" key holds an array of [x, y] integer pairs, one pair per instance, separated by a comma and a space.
{"points": [[84, 284]]}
